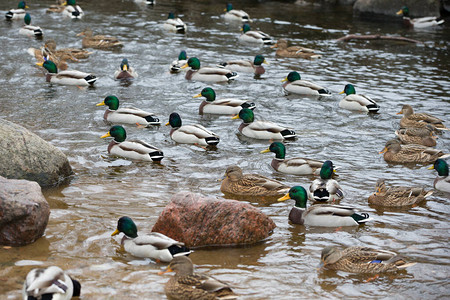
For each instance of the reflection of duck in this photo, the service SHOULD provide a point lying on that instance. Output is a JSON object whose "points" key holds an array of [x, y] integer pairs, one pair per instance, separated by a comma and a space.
{"points": [[254, 36], [235, 14], [125, 71], [99, 41], [208, 74], [30, 30], [394, 152], [411, 119], [283, 50], [191, 134], [418, 22], [17, 13], [68, 77], [294, 84], [325, 189], [173, 24], [397, 195], [72, 10], [442, 182], [221, 106], [246, 66], [357, 102]]}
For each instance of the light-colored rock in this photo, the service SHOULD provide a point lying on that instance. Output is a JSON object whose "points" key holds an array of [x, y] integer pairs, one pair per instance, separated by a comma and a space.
{"points": [[417, 8]]}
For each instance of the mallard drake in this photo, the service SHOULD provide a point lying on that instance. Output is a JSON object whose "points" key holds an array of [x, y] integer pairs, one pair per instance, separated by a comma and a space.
{"points": [[394, 152], [189, 285], [418, 22], [413, 135], [132, 149], [254, 36], [232, 15], [260, 129], [190, 134], [411, 119], [325, 189], [173, 24], [127, 115], [357, 102], [397, 196], [149, 2], [17, 13], [246, 66], [284, 50], [30, 30], [99, 41], [50, 283], [238, 184], [72, 10], [175, 66], [226, 106], [154, 245], [208, 74], [69, 77], [294, 84], [125, 71], [322, 215], [362, 260], [442, 182], [296, 165]]}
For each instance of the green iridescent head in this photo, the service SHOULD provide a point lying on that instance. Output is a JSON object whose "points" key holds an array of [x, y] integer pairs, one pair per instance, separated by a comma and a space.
{"points": [[278, 148], [22, 5], [124, 65], [171, 16], [259, 59], [404, 11], [349, 89], [127, 226], [441, 167], [117, 132], [245, 27], [293, 76], [71, 2], [246, 115], [194, 63], [297, 193], [174, 120], [229, 6], [112, 102], [209, 94], [50, 66], [327, 170], [27, 19], [182, 55]]}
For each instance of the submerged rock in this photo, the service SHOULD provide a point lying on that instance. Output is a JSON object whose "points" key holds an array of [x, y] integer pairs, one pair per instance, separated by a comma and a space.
{"points": [[197, 220]]}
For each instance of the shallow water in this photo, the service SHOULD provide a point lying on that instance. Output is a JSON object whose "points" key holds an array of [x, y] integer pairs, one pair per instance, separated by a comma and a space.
{"points": [[85, 211]]}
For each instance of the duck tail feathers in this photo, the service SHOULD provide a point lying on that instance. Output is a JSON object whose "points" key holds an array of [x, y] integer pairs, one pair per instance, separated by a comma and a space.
{"points": [[288, 134], [179, 250], [249, 105], [361, 218]]}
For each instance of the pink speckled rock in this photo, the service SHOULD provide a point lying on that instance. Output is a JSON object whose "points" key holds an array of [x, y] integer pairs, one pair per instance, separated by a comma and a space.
{"points": [[197, 221]]}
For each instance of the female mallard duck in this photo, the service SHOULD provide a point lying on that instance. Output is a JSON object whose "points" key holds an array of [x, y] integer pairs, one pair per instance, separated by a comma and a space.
{"points": [[74, 54], [72, 10], [418, 22], [175, 66], [189, 285], [126, 115], [69, 77], [232, 15], [294, 84], [284, 50], [442, 182], [325, 189], [226, 106], [357, 102], [296, 165], [155, 245], [421, 136], [362, 260], [261, 130], [17, 13], [132, 149], [397, 196], [254, 36], [238, 184], [125, 71], [99, 41], [411, 119], [50, 283], [30, 30], [191, 134], [173, 24], [208, 74], [394, 152], [322, 215], [246, 66]]}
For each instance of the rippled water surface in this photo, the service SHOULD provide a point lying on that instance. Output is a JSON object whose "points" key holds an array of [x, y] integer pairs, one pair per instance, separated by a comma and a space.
{"points": [[85, 211]]}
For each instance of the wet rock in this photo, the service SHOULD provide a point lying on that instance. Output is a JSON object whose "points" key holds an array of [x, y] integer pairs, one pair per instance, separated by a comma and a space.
{"points": [[197, 220], [417, 8], [24, 155], [24, 212]]}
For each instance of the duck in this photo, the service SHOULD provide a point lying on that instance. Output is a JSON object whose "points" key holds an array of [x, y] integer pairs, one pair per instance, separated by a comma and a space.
{"points": [[442, 182], [173, 24], [394, 152], [295, 85], [126, 115], [191, 134], [175, 66], [260, 129], [232, 15], [358, 259], [357, 102], [284, 50], [30, 30], [254, 36], [413, 135], [397, 196], [149, 2], [236, 183], [154, 245], [227, 106], [74, 54], [99, 41], [50, 283], [189, 285], [56, 8], [208, 74], [325, 189], [132, 149], [17, 13], [68, 77], [411, 119], [246, 66], [422, 22], [296, 165], [125, 72], [72, 10], [321, 215]]}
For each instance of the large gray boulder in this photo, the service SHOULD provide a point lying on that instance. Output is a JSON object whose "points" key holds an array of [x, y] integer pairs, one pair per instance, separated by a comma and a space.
{"points": [[24, 155], [24, 212], [417, 8]]}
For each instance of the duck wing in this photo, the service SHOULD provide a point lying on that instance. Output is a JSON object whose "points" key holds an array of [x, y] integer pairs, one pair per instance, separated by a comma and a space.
{"points": [[157, 240]]}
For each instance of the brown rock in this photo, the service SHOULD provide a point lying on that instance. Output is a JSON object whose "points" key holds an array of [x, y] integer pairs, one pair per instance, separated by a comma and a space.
{"points": [[197, 220], [24, 212]]}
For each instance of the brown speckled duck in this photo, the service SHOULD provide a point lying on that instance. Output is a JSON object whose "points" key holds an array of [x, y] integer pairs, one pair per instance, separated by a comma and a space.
{"points": [[284, 50], [414, 135], [99, 41], [411, 119], [394, 152], [398, 195]]}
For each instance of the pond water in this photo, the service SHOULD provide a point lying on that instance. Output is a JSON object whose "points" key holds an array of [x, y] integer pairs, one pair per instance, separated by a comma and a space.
{"points": [[85, 211]]}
